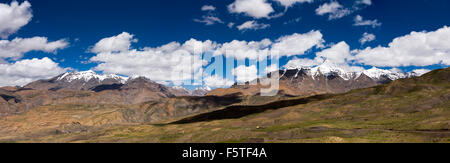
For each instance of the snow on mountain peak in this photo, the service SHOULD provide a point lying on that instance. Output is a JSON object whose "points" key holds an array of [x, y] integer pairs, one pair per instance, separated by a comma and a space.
{"points": [[377, 73], [205, 88], [329, 68], [89, 75], [347, 72]]}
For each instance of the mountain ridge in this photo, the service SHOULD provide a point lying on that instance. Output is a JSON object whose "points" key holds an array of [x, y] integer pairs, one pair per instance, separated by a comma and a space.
{"points": [[325, 78]]}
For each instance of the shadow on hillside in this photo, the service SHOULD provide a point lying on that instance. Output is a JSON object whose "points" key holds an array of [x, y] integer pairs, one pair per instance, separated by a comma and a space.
{"points": [[234, 112]]}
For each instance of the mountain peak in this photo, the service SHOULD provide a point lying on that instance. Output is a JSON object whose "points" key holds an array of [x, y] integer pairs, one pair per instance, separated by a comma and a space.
{"points": [[89, 75], [377, 73], [329, 68]]}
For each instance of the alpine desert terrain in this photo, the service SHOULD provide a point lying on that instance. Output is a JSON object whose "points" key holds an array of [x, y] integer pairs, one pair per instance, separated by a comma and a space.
{"points": [[366, 107]]}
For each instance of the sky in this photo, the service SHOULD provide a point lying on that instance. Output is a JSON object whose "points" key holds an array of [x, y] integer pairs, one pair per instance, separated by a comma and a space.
{"points": [[40, 39]]}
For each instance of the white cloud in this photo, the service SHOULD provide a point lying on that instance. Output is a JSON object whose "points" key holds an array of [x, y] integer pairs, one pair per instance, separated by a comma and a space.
{"points": [[230, 25], [367, 37], [271, 68], [339, 53], [359, 21], [253, 8], [333, 9], [216, 81], [365, 2], [208, 8], [243, 49], [245, 74], [301, 63], [16, 48], [289, 3], [209, 20], [296, 20], [415, 49], [13, 17], [172, 62], [28, 70], [297, 44], [119, 43], [252, 25]]}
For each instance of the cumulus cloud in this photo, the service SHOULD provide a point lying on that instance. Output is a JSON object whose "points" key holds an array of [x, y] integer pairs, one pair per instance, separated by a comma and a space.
{"points": [[289, 3], [21, 72], [297, 44], [253, 8], [359, 21], [339, 53], [245, 74], [172, 62], [333, 9], [301, 63], [289, 45], [119, 43], [243, 49], [17, 47], [415, 49], [209, 20], [216, 81], [252, 25], [367, 37], [28, 70], [208, 8], [13, 17]]}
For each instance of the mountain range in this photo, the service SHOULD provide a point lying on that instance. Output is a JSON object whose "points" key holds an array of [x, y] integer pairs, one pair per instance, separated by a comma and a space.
{"points": [[88, 87], [325, 78], [413, 109]]}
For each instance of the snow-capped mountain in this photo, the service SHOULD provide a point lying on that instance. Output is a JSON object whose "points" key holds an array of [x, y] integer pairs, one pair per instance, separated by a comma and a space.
{"points": [[90, 75], [346, 72], [201, 91], [327, 77], [84, 80], [181, 91], [376, 73], [331, 69]]}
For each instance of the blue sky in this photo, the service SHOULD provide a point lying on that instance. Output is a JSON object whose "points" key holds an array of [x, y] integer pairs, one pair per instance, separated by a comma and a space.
{"points": [[82, 23]]}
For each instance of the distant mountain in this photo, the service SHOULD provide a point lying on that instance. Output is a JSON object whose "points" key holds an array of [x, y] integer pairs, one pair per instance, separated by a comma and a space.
{"points": [[181, 91], [200, 91], [88, 87], [84, 80], [91, 81], [325, 78]]}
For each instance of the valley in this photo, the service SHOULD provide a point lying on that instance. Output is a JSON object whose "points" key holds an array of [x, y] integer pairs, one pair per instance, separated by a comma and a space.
{"points": [[414, 109]]}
